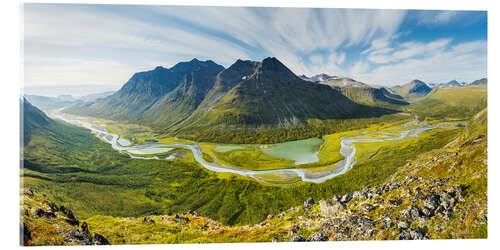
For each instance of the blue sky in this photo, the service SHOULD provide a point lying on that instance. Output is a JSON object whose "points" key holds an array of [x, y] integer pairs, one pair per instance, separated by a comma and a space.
{"points": [[87, 45]]}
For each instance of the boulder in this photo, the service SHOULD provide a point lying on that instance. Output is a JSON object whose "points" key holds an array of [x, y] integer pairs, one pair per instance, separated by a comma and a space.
{"points": [[346, 197], [329, 207], [298, 238], [295, 229], [308, 203], [317, 236], [403, 224], [431, 201], [148, 219], [404, 235], [179, 218], [396, 202], [416, 234], [100, 240]]}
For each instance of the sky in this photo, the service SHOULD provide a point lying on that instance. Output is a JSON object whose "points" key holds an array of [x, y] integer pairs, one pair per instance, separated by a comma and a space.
{"points": [[84, 49]]}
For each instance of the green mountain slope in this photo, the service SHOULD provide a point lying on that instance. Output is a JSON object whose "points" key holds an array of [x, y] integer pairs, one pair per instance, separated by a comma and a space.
{"points": [[452, 102], [413, 89], [32, 120]]}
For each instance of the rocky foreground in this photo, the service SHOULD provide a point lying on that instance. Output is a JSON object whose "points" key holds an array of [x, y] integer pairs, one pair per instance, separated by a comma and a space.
{"points": [[47, 223], [440, 195]]}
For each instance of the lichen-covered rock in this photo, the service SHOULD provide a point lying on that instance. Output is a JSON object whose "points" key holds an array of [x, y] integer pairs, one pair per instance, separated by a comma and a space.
{"points": [[317, 236], [329, 207]]}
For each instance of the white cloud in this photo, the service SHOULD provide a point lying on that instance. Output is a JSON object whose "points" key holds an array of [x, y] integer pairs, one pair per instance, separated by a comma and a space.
{"points": [[407, 50], [464, 62], [289, 32]]}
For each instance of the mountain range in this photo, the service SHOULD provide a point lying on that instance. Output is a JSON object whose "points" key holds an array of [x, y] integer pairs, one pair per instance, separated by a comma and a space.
{"points": [[61, 101], [202, 94], [413, 89]]}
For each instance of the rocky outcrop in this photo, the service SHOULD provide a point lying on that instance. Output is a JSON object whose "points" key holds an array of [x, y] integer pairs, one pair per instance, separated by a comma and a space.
{"points": [[47, 223]]}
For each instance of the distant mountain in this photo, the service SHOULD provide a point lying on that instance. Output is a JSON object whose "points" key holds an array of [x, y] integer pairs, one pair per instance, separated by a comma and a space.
{"points": [[62, 101], [48, 103], [482, 81], [364, 93], [452, 83], [413, 89], [318, 77], [194, 95], [93, 97], [343, 82]]}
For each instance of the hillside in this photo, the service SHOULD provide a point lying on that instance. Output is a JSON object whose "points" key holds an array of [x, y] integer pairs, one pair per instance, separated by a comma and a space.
{"points": [[413, 89], [440, 194], [32, 120], [452, 102]]}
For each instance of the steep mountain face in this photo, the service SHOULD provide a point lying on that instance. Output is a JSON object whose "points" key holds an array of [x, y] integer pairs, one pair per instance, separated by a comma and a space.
{"points": [[32, 119], [160, 96], [413, 89], [482, 81], [268, 94], [364, 93]]}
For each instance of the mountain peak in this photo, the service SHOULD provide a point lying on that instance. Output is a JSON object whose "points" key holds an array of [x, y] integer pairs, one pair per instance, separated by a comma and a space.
{"points": [[416, 81]]}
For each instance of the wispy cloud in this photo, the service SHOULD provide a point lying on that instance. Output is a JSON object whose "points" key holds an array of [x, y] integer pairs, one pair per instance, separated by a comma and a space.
{"points": [[87, 44]]}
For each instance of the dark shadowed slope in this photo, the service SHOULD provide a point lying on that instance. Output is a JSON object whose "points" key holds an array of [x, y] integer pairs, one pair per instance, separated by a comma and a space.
{"points": [[161, 96]]}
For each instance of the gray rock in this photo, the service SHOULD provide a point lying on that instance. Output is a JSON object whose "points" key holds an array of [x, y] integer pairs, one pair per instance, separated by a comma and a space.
{"points": [[404, 235], [308, 203], [317, 236], [298, 238], [295, 229], [148, 219], [416, 234], [396, 202], [403, 224], [329, 207], [431, 202], [346, 197], [179, 218]]}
